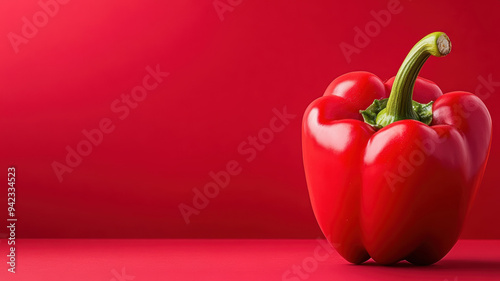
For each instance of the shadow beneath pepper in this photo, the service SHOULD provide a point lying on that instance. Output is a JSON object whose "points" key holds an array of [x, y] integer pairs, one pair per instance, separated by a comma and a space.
{"points": [[445, 270], [445, 264]]}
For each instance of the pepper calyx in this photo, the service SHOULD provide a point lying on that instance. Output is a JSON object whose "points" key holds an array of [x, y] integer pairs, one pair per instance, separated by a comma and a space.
{"points": [[423, 111]]}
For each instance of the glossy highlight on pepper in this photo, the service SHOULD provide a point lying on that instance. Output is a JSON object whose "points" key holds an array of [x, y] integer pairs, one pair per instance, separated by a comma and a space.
{"points": [[392, 167]]}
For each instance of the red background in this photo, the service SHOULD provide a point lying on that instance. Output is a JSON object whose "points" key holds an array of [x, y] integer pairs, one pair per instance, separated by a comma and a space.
{"points": [[226, 77]]}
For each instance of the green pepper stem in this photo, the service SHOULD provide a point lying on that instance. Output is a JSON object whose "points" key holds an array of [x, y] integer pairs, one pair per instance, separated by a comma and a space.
{"points": [[399, 105]]}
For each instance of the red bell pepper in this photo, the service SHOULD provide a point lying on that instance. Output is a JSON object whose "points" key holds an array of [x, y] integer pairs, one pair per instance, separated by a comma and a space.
{"points": [[390, 177]]}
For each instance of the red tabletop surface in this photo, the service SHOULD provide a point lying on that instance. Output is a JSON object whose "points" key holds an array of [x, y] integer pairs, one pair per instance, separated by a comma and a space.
{"points": [[294, 260]]}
